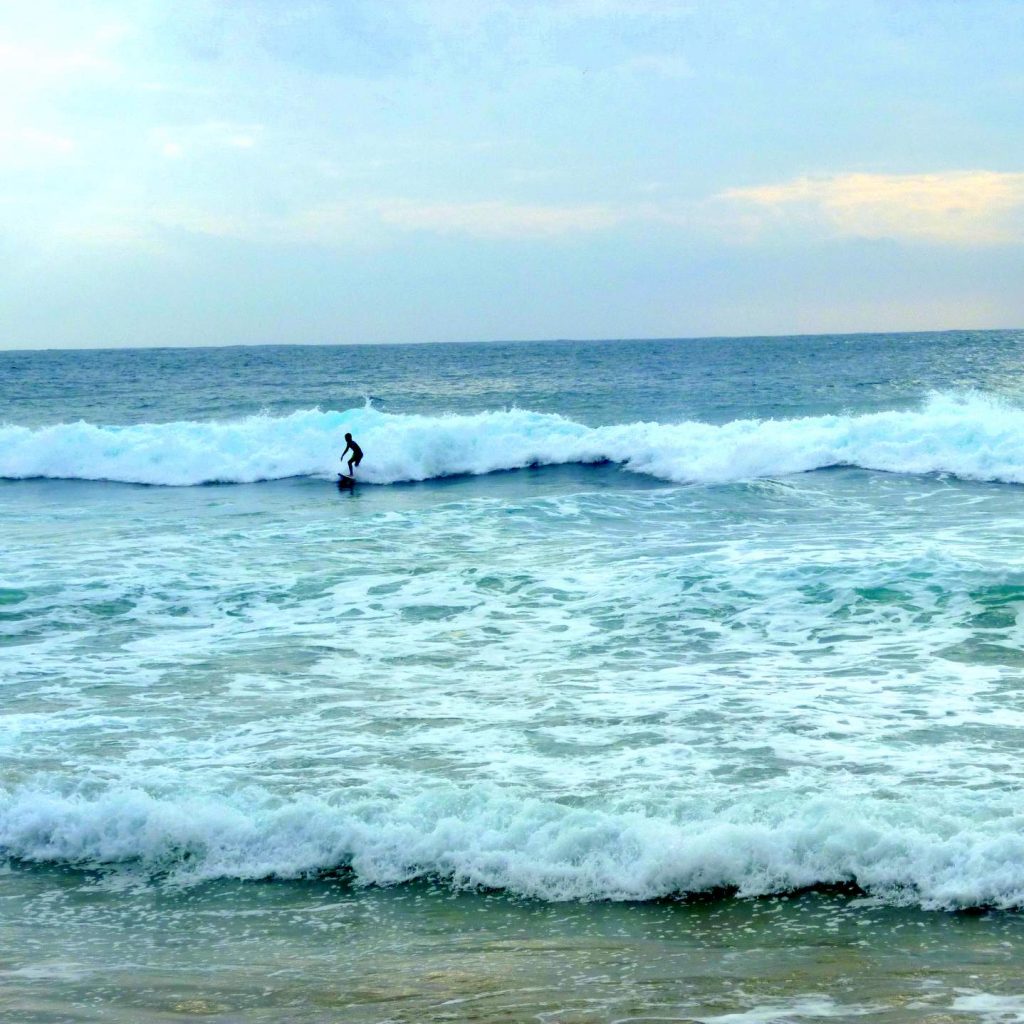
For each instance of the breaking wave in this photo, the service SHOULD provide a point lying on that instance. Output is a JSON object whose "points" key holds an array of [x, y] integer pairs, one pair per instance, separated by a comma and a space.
{"points": [[945, 857], [972, 436]]}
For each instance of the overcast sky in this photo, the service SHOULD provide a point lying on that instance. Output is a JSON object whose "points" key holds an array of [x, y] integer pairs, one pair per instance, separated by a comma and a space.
{"points": [[191, 172]]}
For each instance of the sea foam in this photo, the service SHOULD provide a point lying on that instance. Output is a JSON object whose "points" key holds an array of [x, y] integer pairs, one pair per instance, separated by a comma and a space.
{"points": [[480, 837], [972, 436]]}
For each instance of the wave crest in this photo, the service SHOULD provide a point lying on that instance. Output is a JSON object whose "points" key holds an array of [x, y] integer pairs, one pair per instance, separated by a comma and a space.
{"points": [[971, 436], [483, 838]]}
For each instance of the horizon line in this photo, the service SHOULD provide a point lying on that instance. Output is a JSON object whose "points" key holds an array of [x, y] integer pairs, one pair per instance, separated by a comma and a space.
{"points": [[511, 341]]}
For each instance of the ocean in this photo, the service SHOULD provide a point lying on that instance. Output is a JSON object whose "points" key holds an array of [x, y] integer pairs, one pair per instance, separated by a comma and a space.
{"points": [[674, 680]]}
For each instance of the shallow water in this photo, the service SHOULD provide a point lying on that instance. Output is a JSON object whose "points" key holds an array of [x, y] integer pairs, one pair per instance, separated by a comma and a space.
{"points": [[325, 951]]}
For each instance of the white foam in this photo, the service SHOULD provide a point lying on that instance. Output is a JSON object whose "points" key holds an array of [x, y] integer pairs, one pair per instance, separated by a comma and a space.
{"points": [[564, 696], [479, 836], [1002, 1009], [972, 436], [803, 1006]]}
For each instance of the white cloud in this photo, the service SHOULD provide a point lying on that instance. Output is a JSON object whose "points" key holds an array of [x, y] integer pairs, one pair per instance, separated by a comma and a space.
{"points": [[210, 136], [347, 223], [498, 219], [951, 207], [954, 208]]}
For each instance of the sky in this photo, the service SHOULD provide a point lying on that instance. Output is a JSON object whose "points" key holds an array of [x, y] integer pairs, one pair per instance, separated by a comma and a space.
{"points": [[191, 172]]}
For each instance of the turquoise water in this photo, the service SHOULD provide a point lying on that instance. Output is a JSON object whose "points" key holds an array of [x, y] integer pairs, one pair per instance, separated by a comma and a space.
{"points": [[635, 681]]}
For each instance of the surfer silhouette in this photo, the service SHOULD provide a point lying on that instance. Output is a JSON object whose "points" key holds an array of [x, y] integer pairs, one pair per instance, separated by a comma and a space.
{"points": [[357, 453]]}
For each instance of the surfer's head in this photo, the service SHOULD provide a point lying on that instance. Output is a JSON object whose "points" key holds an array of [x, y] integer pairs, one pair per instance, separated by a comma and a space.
{"points": [[348, 437]]}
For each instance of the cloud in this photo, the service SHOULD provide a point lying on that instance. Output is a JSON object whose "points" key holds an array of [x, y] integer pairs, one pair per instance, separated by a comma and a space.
{"points": [[345, 224], [966, 208], [498, 219], [209, 137], [949, 207]]}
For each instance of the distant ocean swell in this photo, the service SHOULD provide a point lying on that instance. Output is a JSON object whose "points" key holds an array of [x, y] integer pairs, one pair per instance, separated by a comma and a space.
{"points": [[483, 838], [972, 436]]}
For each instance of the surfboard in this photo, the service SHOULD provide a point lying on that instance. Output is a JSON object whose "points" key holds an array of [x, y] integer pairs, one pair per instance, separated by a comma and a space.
{"points": [[345, 483]]}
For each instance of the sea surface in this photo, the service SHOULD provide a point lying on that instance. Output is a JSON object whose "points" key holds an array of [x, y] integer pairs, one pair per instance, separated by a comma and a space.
{"points": [[635, 681]]}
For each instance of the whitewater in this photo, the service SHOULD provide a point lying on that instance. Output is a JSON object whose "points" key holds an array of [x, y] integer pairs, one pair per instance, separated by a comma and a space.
{"points": [[972, 436], [484, 838], [675, 680]]}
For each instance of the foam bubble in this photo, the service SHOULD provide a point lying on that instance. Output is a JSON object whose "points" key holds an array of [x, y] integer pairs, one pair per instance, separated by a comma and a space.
{"points": [[995, 1008], [972, 436], [478, 836]]}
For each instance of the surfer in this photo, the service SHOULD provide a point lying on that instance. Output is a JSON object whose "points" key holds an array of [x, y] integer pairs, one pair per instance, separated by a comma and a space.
{"points": [[357, 453]]}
